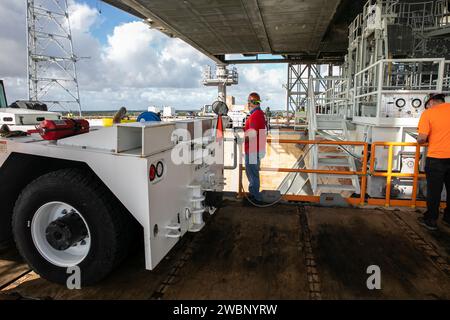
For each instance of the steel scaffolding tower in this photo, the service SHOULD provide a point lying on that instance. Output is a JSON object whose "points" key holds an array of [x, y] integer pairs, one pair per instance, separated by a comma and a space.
{"points": [[297, 86], [52, 74], [297, 83]]}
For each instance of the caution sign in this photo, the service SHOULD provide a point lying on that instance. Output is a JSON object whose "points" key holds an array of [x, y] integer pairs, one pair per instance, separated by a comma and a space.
{"points": [[3, 147]]}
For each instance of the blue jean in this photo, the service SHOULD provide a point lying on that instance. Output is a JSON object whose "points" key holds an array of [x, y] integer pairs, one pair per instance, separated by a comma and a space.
{"points": [[252, 166]]}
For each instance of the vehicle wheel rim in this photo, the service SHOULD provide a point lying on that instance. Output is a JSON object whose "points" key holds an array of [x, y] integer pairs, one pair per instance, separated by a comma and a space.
{"points": [[43, 217]]}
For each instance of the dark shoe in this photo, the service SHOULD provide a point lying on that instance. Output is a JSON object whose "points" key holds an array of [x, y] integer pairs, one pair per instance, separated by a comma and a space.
{"points": [[428, 224], [246, 201], [252, 202], [427, 216], [259, 202], [446, 219]]}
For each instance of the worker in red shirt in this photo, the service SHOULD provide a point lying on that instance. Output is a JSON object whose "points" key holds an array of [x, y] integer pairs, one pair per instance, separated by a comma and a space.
{"points": [[255, 145]]}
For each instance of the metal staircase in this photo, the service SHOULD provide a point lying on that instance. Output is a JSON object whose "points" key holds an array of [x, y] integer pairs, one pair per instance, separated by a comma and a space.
{"points": [[300, 120], [341, 158]]}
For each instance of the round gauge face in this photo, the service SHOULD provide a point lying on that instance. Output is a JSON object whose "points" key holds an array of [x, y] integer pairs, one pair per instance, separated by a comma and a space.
{"points": [[416, 103], [220, 108], [400, 103], [159, 169]]}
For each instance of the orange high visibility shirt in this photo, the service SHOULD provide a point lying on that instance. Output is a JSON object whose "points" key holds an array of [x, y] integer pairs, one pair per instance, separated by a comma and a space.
{"points": [[435, 122]]}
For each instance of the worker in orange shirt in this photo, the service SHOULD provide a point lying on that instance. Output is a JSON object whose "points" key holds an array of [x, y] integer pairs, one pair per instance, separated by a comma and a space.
{"points": [[434, 128]]}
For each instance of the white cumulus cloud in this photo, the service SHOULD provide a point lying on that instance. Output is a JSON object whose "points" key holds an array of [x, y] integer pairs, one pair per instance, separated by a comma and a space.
{"points": [[135, 67]]}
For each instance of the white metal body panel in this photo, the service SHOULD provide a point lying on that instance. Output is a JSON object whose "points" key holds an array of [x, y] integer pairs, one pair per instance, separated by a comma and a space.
{"points": [[99, 139], [156, 138], [15, 118], [387, 122], [168, 199]]}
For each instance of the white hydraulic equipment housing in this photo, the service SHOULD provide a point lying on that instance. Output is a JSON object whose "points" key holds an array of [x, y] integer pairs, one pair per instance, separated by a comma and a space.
{"points": [[391, 67]]}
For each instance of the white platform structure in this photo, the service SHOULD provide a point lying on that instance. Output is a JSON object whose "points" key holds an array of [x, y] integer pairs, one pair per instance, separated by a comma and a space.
{"points": [[379, 95], [220, 77]]}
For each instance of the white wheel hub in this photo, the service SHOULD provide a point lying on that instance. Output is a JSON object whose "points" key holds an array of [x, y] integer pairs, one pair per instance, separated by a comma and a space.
{"points": [[48, 214]]}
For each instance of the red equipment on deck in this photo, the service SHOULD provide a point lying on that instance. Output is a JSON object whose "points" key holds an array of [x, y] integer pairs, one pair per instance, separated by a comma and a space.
{"points": [[59, 129]]}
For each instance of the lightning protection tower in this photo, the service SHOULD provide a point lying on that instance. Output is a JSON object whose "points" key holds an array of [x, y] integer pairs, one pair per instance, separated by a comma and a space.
{"points": [[52, 74]]}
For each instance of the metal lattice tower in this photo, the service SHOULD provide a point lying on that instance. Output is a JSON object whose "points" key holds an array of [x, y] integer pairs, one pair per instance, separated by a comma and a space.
{"points": [[297, 90], [52, 74]]}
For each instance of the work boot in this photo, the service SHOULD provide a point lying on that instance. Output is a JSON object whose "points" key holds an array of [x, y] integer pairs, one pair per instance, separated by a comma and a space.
{"points": [[446, 219], [429, 224], [252, 202], [258, 202], [426, 215], [246, 201]]}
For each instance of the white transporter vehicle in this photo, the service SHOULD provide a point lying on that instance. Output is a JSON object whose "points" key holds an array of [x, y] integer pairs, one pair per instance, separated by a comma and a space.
{"points": [[22, 115], [78, 201]]}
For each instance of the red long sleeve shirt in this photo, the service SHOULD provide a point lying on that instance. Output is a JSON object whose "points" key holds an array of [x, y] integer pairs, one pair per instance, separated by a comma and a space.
{"points": [[257, 122]]}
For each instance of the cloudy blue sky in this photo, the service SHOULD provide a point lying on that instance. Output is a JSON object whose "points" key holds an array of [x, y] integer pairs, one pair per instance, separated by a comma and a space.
{"points": [[129, 63]]}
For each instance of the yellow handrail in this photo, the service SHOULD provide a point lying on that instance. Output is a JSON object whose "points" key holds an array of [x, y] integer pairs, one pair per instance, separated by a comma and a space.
{"points": [[416, 175], [362, 173], [388, 174]]}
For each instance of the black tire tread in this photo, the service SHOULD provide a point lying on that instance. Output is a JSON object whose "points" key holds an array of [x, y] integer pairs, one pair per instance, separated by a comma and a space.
{"points": [[120, 220]]}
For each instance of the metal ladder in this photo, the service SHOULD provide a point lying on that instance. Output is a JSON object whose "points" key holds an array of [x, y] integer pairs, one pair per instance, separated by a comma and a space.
{"points": [[331, 127]]}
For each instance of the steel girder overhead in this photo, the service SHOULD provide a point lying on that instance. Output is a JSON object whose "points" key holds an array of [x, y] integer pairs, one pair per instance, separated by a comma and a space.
{"points": [[312, 31]]}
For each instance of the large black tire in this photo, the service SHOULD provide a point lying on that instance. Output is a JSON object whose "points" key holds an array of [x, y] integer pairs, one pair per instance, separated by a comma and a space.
{"points": [[110, 227]]}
